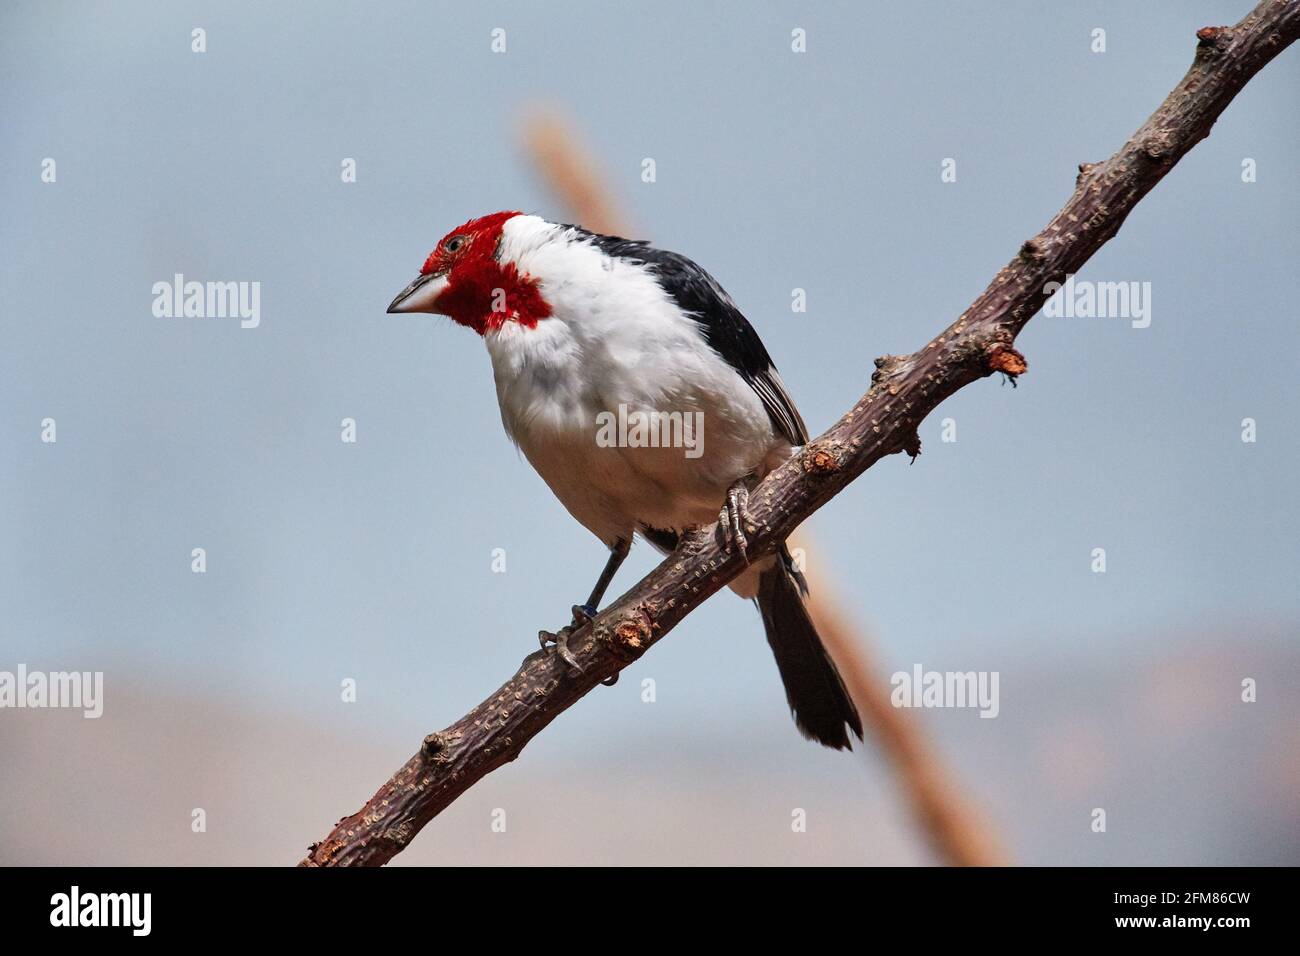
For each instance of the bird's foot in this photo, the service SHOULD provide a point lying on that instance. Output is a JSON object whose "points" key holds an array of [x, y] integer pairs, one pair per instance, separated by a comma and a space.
{"points": [[582, 615], [732, 519], [560, 639]]}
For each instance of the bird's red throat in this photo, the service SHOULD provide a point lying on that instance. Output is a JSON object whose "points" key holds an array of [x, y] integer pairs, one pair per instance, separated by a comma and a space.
{"points": [[484, 295], [482, 292]]}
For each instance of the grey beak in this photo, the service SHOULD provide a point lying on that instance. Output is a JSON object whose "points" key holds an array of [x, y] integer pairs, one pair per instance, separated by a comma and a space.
{"points": [[420, 295]]}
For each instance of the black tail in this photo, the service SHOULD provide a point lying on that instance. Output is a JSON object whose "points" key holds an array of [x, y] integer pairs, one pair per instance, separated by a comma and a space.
{"points": [[813, 687]]}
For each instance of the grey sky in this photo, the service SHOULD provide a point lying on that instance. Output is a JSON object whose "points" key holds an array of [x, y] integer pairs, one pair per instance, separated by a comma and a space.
{"points": [[775, 171]]}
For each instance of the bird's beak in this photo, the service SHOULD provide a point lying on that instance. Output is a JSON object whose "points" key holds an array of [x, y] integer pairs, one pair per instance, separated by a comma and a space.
{"points": [[420, 296]]}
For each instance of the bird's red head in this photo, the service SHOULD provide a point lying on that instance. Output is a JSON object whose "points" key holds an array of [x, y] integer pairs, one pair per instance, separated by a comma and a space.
{"points": [[466, 278]]}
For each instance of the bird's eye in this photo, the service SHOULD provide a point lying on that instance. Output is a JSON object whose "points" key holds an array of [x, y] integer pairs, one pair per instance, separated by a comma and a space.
{"points": [[454, 243]]}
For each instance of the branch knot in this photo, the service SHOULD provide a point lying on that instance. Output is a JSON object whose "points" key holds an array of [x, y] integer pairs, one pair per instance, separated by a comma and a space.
{"points": [[1158, 146], [630, 637], [888, 366], [435, 747], [1034, 250], [1213, 40], [822, 458], [1005, 359]]}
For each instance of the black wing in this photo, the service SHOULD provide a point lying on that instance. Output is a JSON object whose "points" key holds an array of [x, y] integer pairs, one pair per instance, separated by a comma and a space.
{"points": [[726, 330]]}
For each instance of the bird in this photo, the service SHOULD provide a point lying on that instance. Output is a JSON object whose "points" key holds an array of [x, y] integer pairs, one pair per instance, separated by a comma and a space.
{"points": [[582, 327]]}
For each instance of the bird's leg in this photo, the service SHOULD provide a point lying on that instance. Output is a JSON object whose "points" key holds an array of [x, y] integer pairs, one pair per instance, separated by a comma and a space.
{"points": [[583, 613], [617, 554], [732, 518]]}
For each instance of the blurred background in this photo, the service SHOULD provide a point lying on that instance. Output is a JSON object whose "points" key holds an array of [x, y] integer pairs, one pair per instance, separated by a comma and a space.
{"points": [[373, 561]]}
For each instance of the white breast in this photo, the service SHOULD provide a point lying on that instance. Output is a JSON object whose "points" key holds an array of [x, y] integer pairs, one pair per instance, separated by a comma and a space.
{"points": [[616, 338]]}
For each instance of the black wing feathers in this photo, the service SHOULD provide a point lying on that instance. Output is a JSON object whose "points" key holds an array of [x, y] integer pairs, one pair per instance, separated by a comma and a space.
{"points": [[726, 330]]}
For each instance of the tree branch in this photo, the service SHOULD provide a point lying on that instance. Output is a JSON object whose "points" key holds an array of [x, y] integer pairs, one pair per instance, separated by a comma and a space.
{"points": [[904, 390]]}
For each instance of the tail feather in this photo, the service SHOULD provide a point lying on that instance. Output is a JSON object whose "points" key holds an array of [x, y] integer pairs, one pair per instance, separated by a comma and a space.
{"points": [[821, 705]]}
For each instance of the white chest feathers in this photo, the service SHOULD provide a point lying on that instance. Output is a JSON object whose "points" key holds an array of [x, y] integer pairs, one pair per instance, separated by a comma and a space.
{"points": [[617, 351]]}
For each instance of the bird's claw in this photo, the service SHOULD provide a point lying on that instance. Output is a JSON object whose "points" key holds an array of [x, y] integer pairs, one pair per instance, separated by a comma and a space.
{"points": [[560, 639], [732, 519], [582, 615]]}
